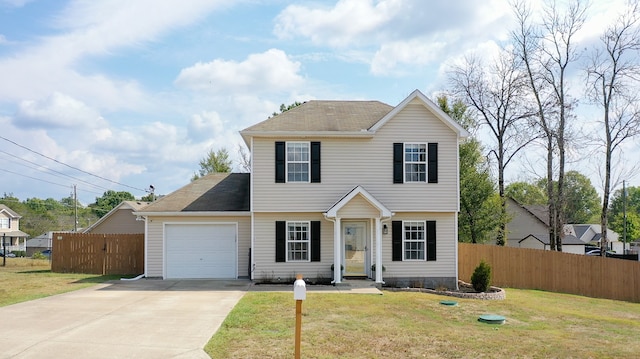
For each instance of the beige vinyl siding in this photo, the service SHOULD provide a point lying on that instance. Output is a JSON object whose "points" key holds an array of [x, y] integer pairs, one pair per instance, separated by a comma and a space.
{"points": [[155, 240], [446, 243], [347, 162], [121, 222], [358, 207], [264, 250]]}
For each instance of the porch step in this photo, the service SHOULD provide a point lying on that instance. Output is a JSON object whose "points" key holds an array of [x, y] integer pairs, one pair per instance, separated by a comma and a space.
{"points": [[358, 283]]}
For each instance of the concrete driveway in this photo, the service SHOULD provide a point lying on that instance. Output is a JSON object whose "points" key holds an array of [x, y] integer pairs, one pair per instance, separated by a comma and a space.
{"points": [[125, 319]]}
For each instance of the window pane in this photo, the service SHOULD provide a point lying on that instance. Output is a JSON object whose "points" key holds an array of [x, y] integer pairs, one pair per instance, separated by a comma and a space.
{"points": [[414, 240], [298, 241], [415, 159], [297, 162]]}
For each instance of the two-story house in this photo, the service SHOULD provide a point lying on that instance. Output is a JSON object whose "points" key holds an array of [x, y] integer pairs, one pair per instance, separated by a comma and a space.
{"points": [[11, 237], [348, 185]]}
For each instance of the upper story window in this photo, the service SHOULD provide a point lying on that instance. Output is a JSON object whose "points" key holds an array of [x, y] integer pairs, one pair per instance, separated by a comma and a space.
{"points": [[415, 162], [4, 222], [298, 161]]}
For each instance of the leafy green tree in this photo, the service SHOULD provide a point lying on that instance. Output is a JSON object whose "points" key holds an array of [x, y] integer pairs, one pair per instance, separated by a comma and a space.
{"points": [[582, 201], [526, 193], [616, 210], [479, 204], [284, 108], [214, 162], [109, 200]]}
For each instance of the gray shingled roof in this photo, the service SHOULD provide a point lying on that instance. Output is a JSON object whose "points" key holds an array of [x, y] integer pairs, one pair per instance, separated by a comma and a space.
{"points": [[216, 192], [339, 116], [540, 211]]}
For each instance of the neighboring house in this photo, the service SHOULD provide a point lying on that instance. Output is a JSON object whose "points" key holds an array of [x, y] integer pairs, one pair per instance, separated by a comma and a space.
{"points": [[342, 184], [529, 228], [39, 243], [592, 234], [11, 237], [120, 220]]}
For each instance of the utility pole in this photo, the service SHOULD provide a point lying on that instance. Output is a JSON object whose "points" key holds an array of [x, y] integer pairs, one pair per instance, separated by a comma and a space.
{"points": [[624, 216], [75, 209]]}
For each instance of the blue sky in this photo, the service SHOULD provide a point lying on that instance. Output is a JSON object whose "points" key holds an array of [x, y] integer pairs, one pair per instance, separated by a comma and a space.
{"points": [[136, 92]]}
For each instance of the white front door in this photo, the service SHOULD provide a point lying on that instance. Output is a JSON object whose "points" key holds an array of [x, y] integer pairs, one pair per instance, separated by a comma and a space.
{"points": [[355, 247]]}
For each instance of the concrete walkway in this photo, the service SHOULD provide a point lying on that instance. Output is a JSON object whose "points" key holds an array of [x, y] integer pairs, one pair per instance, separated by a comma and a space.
{"points": [[131, 319], [125, 319]]}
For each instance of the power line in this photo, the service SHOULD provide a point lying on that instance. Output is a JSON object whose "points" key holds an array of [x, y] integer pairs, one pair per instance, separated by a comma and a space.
{"points": [[72, 167], [39, 168], [37, 179]]}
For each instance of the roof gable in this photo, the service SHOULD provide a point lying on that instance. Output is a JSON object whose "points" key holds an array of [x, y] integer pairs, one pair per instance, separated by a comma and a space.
{"points": [[11, 213], [358, 191], [430, 105], [131, 205]]}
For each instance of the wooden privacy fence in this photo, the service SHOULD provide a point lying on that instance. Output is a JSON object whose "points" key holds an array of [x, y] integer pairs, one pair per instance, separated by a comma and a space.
{"points": [[553, 271], [97, 253]]}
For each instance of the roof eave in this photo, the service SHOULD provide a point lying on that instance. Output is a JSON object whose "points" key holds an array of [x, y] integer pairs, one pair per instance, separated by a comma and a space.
{"points": [[194, 213], [246, 135]]}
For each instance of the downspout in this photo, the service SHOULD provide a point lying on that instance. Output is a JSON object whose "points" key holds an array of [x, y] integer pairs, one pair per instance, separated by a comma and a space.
{"points": [[379, 264], [337, 263], [146, 230]]}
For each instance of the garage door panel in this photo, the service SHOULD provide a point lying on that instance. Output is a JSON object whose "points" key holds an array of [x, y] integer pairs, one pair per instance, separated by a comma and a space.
{"points": [[200, 250]]}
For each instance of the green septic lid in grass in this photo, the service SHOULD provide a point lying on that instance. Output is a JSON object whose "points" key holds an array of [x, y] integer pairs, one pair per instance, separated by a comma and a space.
{"points": [[491, 319], [449, 302]]}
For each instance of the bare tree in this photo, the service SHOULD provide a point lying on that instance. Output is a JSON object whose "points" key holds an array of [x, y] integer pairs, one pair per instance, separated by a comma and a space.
{"points": [[612, 79], [245, 159], [495, 95], [547, 50]]}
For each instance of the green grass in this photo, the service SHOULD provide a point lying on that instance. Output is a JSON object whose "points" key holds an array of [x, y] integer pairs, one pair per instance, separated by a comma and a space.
{"points": [[414, 325], [24, 279]]}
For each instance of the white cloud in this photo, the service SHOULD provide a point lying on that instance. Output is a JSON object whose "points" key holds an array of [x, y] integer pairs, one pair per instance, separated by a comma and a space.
{"points": [[94, 28], [57, 111], [348, 22], [205, 125], [412, 52], [265, 72]]}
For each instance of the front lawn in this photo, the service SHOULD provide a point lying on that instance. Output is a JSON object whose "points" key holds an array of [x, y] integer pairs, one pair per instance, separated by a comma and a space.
{"points": [[415, 325], [24, 279]]}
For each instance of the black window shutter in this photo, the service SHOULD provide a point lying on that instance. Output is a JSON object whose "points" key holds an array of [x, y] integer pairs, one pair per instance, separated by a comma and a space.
{"points": [[315, 241], [281, 241], [315, 162], [398, 161], [280, 162], [431, 240], [396, 240], [433, 162]]}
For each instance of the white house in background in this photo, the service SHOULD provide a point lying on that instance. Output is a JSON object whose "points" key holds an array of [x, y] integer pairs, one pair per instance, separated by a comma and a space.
{"points": [[14, 239], [591, 234], [40, 243], [343, 184], [529, 228]]}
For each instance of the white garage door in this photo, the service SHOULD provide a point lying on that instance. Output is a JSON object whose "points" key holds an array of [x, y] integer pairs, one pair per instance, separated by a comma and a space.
{"points": [[200, 251]]}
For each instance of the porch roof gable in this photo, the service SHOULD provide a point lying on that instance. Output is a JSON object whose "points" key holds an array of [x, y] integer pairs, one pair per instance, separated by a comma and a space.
{"points": [[358, 190]]}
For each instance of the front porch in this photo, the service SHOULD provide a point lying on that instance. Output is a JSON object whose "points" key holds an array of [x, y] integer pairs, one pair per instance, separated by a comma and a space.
{"points": [[358, 228]]}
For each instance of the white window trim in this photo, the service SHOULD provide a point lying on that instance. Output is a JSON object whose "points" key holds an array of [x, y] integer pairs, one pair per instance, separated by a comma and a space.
{"points": [[308, 161], [308, 241], [424, 241], [8, 220], [425, 162]]}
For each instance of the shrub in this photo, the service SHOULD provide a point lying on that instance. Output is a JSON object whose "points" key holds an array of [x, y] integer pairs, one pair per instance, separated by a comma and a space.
{"points": [[481, 277], [38, 255]]}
